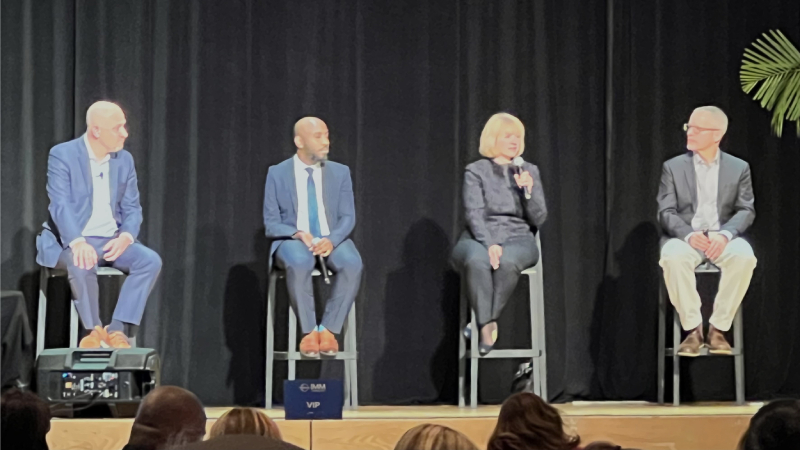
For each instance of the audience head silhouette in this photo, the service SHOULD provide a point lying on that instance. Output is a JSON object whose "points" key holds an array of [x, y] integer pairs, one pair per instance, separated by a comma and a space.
{"points": [[434, 437], [240, 442], [245, 421], [169, 416], [602, 446], [25, 421], [527, 422], [776, 426]]}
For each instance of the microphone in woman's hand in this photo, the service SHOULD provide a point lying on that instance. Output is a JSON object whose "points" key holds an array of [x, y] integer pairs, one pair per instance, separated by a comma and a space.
{"points": [[518, 162]]}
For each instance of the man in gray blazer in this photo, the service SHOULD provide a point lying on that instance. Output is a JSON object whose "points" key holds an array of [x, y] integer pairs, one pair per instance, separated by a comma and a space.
{"points": [[705, 204], [309, 211]]}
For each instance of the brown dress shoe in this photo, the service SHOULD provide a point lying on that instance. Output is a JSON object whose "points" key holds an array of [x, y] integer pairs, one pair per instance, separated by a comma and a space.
{"points": [[309, 345], [717, 344], [328, 345], [94, 339], [692, 344], [117, 339]]}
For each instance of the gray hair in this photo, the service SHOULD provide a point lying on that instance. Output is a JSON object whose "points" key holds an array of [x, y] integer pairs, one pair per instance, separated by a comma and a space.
{"points": [[718, 115]]}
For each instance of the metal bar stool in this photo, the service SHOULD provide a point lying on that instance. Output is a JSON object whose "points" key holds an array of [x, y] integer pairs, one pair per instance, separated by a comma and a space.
{"points": [[45, 273], [349, 355], [737, 349], [536, 353]]}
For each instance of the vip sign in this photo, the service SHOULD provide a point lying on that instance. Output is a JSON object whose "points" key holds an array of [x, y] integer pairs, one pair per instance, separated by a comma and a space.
{"points": [[313, 399]]}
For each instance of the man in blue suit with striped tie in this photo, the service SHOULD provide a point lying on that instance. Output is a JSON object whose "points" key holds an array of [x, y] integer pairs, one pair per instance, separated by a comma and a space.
{"points": [[309, 210]]}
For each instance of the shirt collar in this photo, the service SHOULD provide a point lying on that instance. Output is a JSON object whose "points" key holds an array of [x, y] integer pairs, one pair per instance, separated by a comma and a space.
{"points": [[92, 156], [699, 160], [301, 166]]}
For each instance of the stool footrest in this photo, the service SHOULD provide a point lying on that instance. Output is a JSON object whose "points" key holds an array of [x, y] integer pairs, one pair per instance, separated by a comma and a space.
{"points": [[344, 356], [505, 354], [704, 352]]}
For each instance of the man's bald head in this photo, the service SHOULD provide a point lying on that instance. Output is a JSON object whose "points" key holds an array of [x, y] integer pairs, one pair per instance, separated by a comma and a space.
{"points": [[305, 124], [169, 415], [105, 127], [312, 140], [101, 110]]}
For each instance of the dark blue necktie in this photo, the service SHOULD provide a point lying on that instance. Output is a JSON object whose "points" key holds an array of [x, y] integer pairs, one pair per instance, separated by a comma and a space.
{"points": [[313, 212]]}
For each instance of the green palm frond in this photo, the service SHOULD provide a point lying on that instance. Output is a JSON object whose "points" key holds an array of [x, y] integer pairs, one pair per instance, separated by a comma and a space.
{"points": [[775, 65]]}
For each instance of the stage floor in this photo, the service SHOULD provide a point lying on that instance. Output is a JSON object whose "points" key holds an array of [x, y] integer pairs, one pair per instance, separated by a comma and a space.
{"points": [[707, 426]]}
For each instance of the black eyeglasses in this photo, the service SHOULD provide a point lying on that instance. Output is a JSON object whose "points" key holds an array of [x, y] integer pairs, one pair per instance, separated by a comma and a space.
{"points": [[687, 127]]}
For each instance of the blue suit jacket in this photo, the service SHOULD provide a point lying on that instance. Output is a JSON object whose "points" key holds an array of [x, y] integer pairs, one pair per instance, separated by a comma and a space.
{"points": [[280, 203], [69, 186]]}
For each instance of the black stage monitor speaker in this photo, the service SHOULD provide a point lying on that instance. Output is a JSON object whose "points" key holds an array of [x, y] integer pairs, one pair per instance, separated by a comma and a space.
{"points": [[79, 382]]}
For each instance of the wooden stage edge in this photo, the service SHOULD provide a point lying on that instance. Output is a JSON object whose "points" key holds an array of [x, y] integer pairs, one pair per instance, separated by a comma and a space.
{"points": [[630, 424]]}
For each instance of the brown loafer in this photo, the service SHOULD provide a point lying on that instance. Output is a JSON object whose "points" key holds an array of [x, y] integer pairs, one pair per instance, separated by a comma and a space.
{"points": [[692, 344], [328, 345], [717, 344], [94, 339], [117, 339], [309, 345]]}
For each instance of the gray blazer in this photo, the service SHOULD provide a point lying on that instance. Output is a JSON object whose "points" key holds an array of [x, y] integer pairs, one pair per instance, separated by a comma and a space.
{"points": [[677, 196]]}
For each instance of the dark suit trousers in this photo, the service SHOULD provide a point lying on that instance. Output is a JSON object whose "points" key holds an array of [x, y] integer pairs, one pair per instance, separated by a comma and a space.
{"points": [[298, 262], [140, 263], [488, 290], [17, 340]]}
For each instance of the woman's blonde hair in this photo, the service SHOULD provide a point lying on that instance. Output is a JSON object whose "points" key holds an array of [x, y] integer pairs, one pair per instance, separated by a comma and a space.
{"points": [[245, 421], [434, 437], [492, 129]]}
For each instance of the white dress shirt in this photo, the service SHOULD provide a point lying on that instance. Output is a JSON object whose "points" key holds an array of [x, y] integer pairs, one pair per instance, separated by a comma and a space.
{"points": [[101, 223], [706, 217], [301, 182]]}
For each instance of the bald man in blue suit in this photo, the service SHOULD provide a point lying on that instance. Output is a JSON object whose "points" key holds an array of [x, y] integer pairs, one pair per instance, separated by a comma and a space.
{"points": [[94, 220], [309, 211]]}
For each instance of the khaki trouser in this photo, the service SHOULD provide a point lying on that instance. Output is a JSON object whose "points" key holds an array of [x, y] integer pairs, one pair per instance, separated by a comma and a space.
{"points": [[679, 260]]}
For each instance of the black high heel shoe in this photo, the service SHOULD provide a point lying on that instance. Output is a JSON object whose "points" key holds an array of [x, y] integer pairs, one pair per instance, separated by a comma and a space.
{"points": [[483, 349]]}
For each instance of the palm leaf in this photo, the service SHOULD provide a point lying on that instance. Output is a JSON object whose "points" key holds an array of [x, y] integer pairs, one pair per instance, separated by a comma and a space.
{"points": [[773, 65]]}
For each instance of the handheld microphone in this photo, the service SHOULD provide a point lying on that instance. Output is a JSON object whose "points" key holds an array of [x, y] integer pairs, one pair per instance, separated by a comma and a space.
{"points": [[518, 161], [322, 263]]}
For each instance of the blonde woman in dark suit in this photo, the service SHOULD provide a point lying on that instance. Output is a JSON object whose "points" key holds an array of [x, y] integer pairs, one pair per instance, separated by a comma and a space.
{"points": [[504, 205]]}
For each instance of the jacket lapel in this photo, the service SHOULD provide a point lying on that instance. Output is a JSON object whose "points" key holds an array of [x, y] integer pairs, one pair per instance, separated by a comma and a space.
{"points": [[327, 182], [292, 185], [691, 178], [724, 174], [113, 179], [86, 170]]}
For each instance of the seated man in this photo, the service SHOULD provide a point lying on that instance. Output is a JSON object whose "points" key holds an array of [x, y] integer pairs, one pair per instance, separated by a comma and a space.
{"points": [[705, 203], [94, 220], [168, 417], [309, 211]]}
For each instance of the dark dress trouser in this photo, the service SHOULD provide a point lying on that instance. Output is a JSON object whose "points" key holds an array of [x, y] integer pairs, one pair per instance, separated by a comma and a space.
{"points": [[488, 290], [298, 262], [17, 340]]}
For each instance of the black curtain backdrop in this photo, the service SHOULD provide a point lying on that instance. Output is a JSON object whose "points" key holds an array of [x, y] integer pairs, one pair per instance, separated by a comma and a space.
{"points": [[211, 90]]}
